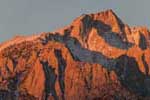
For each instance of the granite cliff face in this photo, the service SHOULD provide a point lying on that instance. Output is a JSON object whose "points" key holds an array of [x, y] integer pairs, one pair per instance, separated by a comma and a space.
{"points": [[96, 57]]}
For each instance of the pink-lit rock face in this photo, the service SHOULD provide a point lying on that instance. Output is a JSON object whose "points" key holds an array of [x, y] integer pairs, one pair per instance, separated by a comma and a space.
{"points": [[96, 57]]}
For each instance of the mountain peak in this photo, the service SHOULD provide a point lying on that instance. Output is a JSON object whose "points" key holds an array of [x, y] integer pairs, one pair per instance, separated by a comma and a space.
{"points": [[106, 18], [67, 63], [108, 13], [110, 18]]}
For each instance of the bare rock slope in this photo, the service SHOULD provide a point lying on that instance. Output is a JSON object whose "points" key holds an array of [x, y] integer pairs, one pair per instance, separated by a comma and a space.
{"points": [[96, 57]]}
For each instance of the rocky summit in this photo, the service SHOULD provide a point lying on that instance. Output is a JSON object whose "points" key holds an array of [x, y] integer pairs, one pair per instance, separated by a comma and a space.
{"points": [[96, 57]]}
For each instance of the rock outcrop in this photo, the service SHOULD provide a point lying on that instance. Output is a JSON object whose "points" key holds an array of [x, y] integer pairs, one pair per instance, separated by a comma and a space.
{"points": [[96, 57]]}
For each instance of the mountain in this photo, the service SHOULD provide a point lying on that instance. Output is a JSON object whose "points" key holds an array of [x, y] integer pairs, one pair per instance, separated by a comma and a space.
{"points": [[96, 57]]}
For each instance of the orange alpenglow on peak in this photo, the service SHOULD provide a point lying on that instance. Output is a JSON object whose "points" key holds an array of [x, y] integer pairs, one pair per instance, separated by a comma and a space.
{"points": [[69, 62], [107, 17]]}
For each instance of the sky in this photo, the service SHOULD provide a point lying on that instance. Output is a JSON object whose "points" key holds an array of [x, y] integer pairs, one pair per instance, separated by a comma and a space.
{"points": [[25, 17]]}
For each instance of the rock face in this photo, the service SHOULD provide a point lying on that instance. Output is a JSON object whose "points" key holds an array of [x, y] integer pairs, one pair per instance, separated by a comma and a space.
{"points": [[96, 57]]}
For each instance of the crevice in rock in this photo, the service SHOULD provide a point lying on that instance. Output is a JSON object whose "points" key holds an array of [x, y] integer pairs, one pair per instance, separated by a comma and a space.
{"points": [[50, 80], [100, 26], [87, 24], [142, 42], [145, 64], [86, 27], [61, 69], [88, 80], [114, 40], [7, 69], [14, 63]]}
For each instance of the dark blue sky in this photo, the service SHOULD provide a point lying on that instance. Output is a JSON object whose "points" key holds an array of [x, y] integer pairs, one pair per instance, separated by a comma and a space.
{"points": [[24, 17]]}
